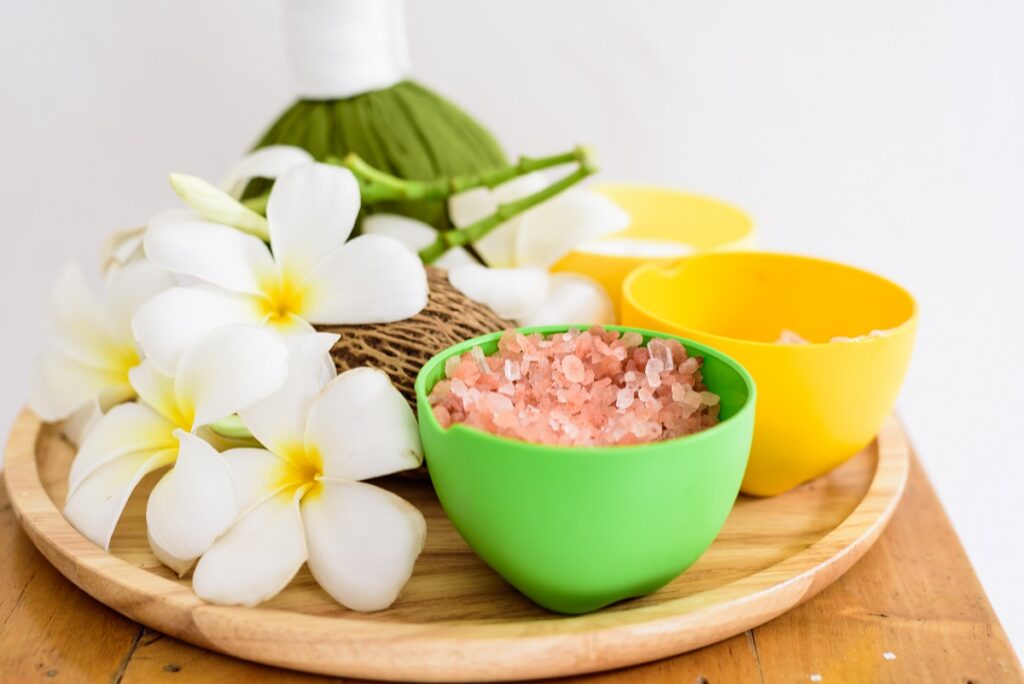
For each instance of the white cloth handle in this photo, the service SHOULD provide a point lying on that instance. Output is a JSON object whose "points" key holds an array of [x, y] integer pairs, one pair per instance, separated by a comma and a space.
{"points": [[341, 48]]}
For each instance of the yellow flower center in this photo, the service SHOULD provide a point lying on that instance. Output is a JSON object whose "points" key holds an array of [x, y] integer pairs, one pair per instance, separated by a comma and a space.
{"points": [[304, 468], [282, 297], [126, 358]]}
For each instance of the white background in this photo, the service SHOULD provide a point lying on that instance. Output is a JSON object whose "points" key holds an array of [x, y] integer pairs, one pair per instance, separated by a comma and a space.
{"points": [[885, 134]]}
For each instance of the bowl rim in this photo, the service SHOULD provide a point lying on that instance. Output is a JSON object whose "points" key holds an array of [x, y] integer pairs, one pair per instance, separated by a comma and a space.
{"points": [[735, 244], [672, 268], [589, 451]]}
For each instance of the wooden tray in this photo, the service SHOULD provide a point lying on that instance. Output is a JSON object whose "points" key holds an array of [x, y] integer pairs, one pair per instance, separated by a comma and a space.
{"points": [[457, 620]]}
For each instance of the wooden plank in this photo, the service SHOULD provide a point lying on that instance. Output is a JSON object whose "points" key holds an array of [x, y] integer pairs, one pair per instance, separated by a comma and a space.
{"points": [[49, 630], [914, 596], [160, 658]]}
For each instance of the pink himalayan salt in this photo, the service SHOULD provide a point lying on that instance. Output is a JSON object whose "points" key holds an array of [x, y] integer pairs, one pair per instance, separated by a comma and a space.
{"points": [[589, 388]]}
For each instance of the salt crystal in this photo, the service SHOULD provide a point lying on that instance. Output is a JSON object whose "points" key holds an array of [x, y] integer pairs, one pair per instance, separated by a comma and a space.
{"points": [[458, 387], [572, 368], [624, 399], [693, 399], [660, 351], [443, 416], [652, 370], [451, 364], [678, 392], [790, 337], [815, 677], [708, 398], [512, 370], [889, 655], [632, 339], [481, 360]]}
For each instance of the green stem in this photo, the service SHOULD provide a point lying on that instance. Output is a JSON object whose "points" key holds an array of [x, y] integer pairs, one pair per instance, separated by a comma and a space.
{"points": [[474, 231], [380, 186]]}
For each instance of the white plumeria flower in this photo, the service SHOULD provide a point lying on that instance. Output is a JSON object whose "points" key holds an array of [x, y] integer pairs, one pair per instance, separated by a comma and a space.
{"points": [[209, 203], [302, 499], [310, 274], [269, 162], [91, 350], [231, 368], [521, 251]]}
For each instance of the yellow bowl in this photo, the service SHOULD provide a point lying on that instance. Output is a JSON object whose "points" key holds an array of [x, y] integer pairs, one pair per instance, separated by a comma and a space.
{"points": [[818, 403], [694, 223]]}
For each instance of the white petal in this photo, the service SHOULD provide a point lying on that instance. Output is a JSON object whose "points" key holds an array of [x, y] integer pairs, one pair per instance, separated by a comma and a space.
{"points": [[125, 429], [95, 506], [289, 326], [218, 206], [122, 247], [413, 234], [498, 247], [192, 505], [470, 206], [574, 299], [454, 258], [215, 254], [267, 162], [230, 369], [79, 324], [169, 324], [362, 427], [372, 279], [510, 292], [175, 215], [80, 423], [156, 390], [553, 229], [279, 421], [62, 385], [128, 288], [257, 557], [257, 475], [363, 542], [311, 211]]}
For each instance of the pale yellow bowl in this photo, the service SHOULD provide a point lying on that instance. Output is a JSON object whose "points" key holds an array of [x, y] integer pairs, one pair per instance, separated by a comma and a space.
{"points": [[698, 224], [817, 404]]}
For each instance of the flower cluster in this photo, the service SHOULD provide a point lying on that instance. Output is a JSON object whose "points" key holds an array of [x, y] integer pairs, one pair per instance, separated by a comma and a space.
{"points": [[201, 359], [209, 315]]}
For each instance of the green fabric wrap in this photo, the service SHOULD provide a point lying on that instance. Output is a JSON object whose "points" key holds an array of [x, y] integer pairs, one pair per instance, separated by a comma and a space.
{"points": [[406, 130]]}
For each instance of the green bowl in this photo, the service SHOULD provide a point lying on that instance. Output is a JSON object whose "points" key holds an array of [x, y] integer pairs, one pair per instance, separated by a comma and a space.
{"points": [[576, 528]]}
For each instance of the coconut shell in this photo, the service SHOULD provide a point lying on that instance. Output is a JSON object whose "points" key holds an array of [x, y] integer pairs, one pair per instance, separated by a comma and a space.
{"points": [[401, 348]]}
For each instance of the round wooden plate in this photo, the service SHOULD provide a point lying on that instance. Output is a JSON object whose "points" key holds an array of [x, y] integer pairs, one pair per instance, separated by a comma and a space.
{"points": [[457, 620]]}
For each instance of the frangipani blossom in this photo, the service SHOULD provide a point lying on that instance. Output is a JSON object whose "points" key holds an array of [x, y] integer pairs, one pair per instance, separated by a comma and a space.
{"points": [[229, 369], [310, 274], [209, 203], [521, 251], [302, 499], [91, 349]]}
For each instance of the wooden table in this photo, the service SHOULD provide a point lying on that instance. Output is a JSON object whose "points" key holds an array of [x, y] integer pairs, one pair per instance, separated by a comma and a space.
{"points": [[912, 610]]}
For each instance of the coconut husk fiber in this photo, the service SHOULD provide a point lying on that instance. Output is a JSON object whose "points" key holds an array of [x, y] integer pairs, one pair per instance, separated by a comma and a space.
{"points": [[401, 348]]}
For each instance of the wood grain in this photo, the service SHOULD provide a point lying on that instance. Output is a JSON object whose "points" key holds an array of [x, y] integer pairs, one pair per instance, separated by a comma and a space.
{"points": [[826, 635], [457, 620]]}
